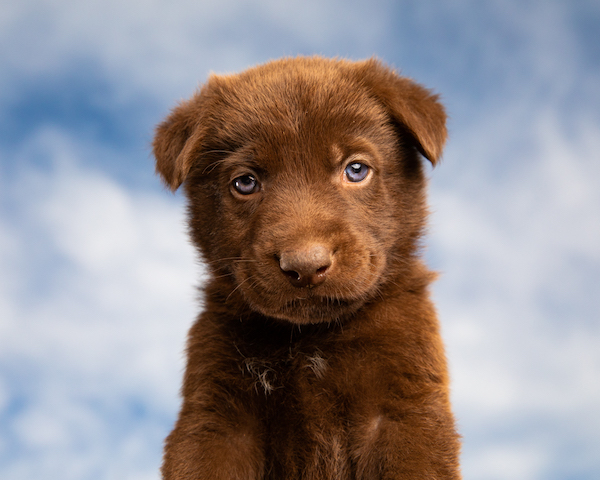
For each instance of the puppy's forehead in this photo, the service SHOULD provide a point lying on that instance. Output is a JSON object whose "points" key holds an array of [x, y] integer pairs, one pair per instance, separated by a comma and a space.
{"points": [[296, 107]]}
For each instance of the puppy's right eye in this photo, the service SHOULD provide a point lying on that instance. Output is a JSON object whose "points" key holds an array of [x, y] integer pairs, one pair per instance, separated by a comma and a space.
{"points": [[245, 184], [356, 172]]}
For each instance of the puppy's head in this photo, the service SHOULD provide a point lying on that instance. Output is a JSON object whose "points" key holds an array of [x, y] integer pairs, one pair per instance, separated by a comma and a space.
{"points": [[304, 182]]}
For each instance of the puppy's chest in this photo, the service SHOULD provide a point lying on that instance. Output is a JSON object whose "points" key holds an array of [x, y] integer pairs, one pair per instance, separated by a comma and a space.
{"points": [[324, 370], [314, 410], [297, 384], [283, 376], [296, 397]]}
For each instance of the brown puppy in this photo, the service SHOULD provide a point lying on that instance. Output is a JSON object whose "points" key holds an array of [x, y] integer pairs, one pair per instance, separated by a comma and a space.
{"points": [[317, 355]]}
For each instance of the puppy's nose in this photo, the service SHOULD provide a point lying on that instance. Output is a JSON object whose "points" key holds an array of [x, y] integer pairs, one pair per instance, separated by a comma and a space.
{"points": [[306, 267]]}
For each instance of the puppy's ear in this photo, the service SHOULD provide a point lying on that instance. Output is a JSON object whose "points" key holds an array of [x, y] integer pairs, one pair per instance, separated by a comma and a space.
{"points": [[411, 105], [177, 138]]}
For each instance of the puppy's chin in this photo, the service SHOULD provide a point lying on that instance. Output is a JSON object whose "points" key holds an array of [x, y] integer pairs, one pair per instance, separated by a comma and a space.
{"points": [[310, 309]]}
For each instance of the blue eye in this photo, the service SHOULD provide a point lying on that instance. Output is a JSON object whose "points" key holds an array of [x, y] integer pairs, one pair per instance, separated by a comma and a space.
{"points": [[356, 172], [246, 184]]}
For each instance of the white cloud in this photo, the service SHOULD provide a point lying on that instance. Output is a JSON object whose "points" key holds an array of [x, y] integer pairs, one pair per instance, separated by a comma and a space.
{"points": [[96, 279], [105, 331], [166, 48], [518, 247], [514, 461]]}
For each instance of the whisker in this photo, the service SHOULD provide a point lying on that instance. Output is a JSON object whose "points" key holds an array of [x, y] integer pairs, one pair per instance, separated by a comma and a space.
{"points": [[228, 259], [228, 274], [238, 286], [211, 166], [232, 259]]}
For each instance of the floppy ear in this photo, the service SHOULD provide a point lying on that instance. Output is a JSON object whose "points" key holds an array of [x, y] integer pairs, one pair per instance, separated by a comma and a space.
{"points": [[411, 105], [176, 139]]}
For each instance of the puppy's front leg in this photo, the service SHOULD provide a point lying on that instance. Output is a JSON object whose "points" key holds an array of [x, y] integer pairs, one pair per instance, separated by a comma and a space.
{"points": [[207, 446], [416, 444]]}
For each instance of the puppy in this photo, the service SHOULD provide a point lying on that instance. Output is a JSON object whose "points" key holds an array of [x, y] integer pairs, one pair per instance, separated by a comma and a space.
{"points": [[317, 355]]}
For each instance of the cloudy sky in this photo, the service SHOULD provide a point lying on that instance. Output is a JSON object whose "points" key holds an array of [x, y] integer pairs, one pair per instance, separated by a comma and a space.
{"points": [[97, 278]]}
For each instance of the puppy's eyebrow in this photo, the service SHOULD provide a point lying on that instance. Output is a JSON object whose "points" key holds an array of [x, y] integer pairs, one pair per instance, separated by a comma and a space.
{"points": [[337, 154], [216, 157], [212, 165], [241, 159], [356, 146], [221, 151]]}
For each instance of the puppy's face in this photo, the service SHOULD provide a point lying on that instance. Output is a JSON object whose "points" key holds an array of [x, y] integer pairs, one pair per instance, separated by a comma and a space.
{"points": [[305, 187]]}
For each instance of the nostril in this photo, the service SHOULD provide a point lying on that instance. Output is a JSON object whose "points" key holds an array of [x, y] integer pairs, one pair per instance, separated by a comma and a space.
{"points": [[291, 274], [322, 270]]}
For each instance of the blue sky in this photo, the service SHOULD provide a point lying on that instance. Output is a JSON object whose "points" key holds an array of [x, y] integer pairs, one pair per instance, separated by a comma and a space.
{"points": [[97, 278]]}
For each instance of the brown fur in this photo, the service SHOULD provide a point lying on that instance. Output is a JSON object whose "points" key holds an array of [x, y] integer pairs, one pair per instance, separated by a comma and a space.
{"points": [[317, 355]]}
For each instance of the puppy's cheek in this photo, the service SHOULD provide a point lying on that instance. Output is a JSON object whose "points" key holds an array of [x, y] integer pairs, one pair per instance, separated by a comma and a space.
{"points": [[361, 264], [231, 230]]}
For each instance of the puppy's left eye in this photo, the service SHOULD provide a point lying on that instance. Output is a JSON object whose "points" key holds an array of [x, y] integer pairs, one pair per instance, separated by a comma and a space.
{"points": [[356, 172], [245, 184]]}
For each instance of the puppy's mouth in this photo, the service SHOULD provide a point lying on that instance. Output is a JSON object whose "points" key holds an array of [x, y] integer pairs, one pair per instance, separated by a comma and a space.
{"points": [[306, 306], [311, 299], [315, 309]]}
